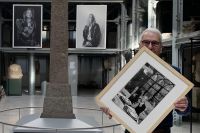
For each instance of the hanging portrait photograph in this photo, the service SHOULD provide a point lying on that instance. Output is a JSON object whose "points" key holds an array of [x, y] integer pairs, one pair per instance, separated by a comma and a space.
{"points": [[27, 26], [91, 26], [143, 93]]}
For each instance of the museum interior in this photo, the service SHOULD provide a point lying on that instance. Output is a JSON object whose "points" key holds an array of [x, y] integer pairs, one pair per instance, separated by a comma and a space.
{"points": [[32, 39]]}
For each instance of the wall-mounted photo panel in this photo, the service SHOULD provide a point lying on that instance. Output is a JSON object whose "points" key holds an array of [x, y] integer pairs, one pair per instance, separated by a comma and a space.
{"points": [[143, 93], [91, 26], [27, 26]]}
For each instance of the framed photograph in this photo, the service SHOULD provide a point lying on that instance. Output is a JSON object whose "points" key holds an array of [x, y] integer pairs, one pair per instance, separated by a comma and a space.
{"points": [[143, 93], [27, 26], [91, 26]]}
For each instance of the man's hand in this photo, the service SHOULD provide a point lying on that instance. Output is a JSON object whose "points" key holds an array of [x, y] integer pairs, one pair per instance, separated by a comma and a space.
{"points": [[106, 111], [181, 104]]}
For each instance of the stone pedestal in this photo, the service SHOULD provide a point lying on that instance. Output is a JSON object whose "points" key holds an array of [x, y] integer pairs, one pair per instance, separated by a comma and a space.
{"points": [[52, 125]]}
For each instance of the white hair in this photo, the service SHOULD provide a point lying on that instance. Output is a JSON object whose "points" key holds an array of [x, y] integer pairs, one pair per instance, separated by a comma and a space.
{"points": [[154, 30]]}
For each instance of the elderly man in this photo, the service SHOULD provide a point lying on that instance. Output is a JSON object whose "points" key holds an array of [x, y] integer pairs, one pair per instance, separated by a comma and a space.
{"points": [[152, 39]]}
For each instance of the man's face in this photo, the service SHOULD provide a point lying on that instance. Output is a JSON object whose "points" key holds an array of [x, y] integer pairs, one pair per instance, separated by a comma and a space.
{"points": [[152, 41], [90, 19]]}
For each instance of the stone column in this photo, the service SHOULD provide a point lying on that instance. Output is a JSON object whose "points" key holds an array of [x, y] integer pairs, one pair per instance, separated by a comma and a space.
{"points": [[58, 100]]}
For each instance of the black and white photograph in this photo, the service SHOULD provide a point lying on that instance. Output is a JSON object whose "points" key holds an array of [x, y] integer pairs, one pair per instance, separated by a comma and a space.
{"points": [[91, 26], [27, 23], [143, 93]]}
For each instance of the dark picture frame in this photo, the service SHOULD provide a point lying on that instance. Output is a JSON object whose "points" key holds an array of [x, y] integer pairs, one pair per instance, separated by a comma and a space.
{"points": [[27, 26]]}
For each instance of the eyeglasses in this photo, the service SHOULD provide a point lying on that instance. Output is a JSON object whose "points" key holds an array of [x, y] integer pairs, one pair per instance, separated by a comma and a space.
{"points": [[153, 43]]}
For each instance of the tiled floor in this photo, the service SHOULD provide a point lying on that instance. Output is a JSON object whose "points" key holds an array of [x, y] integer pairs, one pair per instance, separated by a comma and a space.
{"points": [[85, 100]]}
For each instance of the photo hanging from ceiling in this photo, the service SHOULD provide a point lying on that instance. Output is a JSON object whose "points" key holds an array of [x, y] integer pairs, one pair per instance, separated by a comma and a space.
{"points": [[27, 26], [91, 26]]}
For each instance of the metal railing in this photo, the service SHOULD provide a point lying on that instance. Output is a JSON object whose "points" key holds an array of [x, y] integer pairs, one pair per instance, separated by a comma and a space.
{"points": [[20, 109]]}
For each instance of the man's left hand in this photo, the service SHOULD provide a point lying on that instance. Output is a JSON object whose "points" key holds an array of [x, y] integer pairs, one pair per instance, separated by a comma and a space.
{"points": [[181, 104]]}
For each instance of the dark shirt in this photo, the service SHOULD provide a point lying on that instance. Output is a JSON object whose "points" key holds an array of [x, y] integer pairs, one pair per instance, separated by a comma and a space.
{"points": [[95, 35], [26, 33]]}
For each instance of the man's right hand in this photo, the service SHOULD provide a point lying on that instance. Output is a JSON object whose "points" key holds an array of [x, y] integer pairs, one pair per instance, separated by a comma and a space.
{"points": [[106, 111]]}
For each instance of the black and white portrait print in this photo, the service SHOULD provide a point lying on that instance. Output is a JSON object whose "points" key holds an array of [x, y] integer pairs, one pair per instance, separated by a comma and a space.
{"points": [[27, 23], [91, 26], [143, 93]]}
